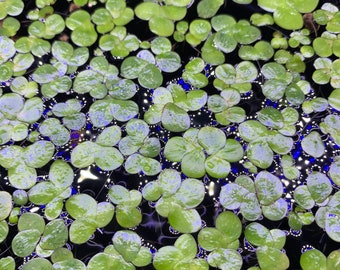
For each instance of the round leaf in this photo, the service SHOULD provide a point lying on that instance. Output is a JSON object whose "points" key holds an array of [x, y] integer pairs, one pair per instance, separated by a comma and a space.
{"points": [[55, 235], [127, 243], [272, 258], [24, 242], [225, 259], [81, 205], [190, 194], [312, 260], [5, 204], [268, 187], [81, 230], [184, 220], [174, 118], [313, 145], [260, 154]]}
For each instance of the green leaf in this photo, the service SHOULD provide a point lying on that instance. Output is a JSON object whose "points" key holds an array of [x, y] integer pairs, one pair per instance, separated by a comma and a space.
{"points": [[22, 176], [256, 234], [312, 260], [42, 193], [268, 187], [5, 204], [175, 148], [302, 6], [274, 89], [108, 158], [85, 35], [37, 263], [110, 136], [151, 147], [246, 182], [124, 89], [168, 61], [332, 227], [230, 225], [32, 110], [137, 163], [333, 259], [53, 209], [187, 244], [39, 153], [319, 186], [200, 28], [122, 110], [303, 197], [69, 264], [250, 207], [100, 261], [22, 62], [225, 41], [271, 117], [83, 154], [193, 164], [167, 257], [118, 194], [31, 221], [127, 243], [45, 74], [279, 143], [81, 230], [184, 220], [127, 216], [86, 81], [174, 118], [7, 49], [4, 229], [251, 130], [313, 145], [276, 211], [169, 182], [208, 8], [24, 242], [272, 258], [288, 18], [105, 213], [81, 205], [7, 263], [161, 26], [222, 21], [334, 98], [212, 139], [211, 238], [152, 191], [150, 76], [225, 259], [55, 235], [11, 104], [334, 172], [132, 66], [244, 33], [61, 174], [260, 154], [190, 194], [217, 167], [232, 151], [231, 196]]}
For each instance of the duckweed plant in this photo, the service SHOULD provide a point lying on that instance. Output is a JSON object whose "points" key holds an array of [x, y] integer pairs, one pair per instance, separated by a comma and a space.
{"points": [[169, 134]]}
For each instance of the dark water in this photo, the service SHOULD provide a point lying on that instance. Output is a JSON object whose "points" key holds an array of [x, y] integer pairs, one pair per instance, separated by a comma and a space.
{"points": [[154, 229]]}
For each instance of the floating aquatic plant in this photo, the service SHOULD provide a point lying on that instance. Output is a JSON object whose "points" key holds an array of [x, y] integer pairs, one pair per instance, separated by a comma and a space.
{"points": [[218, 132]]}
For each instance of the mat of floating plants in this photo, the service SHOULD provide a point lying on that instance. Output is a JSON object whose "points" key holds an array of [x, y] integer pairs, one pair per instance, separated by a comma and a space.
{"points": [[169, 134]]}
